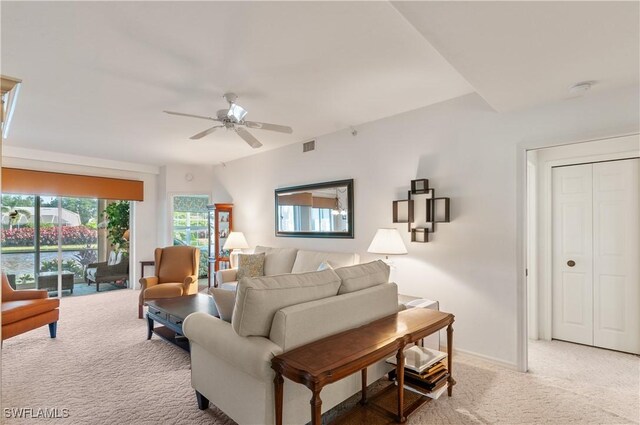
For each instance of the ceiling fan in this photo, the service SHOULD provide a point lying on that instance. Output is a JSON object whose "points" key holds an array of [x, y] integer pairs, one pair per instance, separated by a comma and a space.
{"points": [[233, 119]]}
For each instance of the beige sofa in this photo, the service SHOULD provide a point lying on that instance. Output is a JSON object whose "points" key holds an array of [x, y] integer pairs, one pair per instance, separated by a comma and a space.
{"points": [[289, 260], [231, 362]]}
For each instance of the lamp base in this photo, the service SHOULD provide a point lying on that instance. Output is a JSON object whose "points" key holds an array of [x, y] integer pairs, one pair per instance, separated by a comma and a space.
{"points": [[233, 258]]}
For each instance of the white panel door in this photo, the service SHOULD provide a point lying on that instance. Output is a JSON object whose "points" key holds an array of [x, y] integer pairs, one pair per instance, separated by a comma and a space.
{"points": [[572, 254], [616, 237]]}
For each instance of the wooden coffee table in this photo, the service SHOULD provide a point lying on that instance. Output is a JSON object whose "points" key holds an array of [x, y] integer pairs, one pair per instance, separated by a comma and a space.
{"points": [[171, 312]]}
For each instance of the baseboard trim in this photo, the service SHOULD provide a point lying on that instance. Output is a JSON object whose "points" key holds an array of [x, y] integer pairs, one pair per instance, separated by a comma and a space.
{"points": [[498, 362]]}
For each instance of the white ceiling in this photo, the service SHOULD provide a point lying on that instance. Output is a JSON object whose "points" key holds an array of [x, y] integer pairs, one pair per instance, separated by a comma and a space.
{"points": [[520, 54], [97, 75]]}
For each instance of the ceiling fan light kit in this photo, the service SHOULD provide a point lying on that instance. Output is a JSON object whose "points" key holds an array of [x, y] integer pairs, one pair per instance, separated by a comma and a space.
{"points": [[233, 118]]}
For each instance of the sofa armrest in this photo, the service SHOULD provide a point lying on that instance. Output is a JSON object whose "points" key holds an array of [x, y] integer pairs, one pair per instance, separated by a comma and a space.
{"points": [[228, 275], [252, 355]]}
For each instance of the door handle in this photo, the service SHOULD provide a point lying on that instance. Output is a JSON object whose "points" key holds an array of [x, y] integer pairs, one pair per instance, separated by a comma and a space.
{"points": [[571, 263]]}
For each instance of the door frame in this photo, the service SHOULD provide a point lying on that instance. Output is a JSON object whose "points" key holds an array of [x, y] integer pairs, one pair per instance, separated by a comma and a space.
{"points": [[522, 196]]}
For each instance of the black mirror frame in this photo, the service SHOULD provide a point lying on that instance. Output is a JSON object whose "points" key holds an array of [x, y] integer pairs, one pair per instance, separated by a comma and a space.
{"points": [[325, 185]]}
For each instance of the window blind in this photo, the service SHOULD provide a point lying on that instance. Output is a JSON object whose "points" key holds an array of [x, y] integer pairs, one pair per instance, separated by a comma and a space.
{"points": [[15, 180]]}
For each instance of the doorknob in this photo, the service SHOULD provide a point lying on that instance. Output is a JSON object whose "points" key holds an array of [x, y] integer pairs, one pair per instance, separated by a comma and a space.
{"points": [[571, 263]]}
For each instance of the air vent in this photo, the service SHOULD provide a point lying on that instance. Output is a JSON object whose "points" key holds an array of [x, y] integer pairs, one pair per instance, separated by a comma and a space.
{"points": [[309, 146]]}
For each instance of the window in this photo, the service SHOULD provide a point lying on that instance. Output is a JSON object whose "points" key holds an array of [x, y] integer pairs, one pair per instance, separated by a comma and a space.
{"points": [[190, 225]]}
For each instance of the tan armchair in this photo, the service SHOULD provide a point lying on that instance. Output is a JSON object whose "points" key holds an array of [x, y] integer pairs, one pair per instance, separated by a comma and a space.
{"points": [[176, 275], [25, 310]]}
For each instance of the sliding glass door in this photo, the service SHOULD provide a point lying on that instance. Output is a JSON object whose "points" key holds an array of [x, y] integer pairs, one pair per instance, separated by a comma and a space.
{"points": [[56, 243]]}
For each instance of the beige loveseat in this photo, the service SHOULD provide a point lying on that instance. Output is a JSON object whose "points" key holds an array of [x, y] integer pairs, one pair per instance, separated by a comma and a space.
{"points": [[289, 260], [231, 362]]}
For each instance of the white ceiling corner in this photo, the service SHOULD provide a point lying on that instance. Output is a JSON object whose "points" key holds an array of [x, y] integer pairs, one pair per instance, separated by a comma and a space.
{"points": [[521, 54]]}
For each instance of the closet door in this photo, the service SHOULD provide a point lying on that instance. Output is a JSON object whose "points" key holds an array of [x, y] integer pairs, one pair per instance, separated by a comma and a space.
{"points": [[572, 254], [616, 228]]}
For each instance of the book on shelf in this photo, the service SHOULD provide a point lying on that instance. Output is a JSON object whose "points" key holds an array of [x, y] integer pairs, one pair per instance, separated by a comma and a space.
{"points": [[419, 359], [433, 393]]}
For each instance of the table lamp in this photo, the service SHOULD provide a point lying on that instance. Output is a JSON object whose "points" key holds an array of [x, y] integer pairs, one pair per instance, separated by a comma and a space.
{"points": [[387, 242], [236, 241]]}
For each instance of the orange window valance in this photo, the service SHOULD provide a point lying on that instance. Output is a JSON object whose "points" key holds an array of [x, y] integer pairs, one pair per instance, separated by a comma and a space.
{"points": [[15, 180]]}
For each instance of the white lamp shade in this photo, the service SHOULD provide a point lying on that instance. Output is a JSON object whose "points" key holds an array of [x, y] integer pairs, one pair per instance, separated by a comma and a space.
{"points": [[387, 242], [236, 240]]}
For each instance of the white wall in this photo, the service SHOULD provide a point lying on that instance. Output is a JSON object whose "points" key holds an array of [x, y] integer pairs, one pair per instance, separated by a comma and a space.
{"points": [[145, 222], [468, 152], [540, 301]]}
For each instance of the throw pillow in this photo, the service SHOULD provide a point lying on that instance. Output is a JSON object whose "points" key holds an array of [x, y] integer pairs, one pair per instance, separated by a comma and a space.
{"points": [[225, 302], [362, 276], [250, 265], [324, 266]]}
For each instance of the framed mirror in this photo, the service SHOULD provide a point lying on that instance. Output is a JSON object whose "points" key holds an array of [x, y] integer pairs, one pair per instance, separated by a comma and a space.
{"points": [[322, 210]]}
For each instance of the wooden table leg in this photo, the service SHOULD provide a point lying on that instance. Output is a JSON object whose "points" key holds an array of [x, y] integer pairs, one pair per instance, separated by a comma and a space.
{"points": [[316, 407], [450, 381], [278, 384], [363, 399], [400, 379]]}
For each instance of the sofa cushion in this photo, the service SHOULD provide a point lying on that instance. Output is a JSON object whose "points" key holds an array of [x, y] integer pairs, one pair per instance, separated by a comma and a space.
{"points": [[225, 301], [229, 286], [302, 323], [307, 261], [258, 299], [250, 265], [277, 260], [362, 276]]}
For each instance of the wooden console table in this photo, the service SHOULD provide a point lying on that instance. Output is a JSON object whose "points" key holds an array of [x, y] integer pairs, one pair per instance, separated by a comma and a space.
{"points": [[333, 358]]}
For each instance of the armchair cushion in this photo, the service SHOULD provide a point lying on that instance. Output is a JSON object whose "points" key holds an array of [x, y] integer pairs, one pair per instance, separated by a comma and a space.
{"points": [[14, 311], [165, 290]]}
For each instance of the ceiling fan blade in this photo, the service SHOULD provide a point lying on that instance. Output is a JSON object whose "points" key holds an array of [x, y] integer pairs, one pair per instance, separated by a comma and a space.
{"points": [[248, 137], [270, 127], [190, 115], [204, 133]]}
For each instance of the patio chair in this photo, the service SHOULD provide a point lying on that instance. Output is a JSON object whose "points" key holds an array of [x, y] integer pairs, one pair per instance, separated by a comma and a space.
{"points": [[26, 310], [176, 275], [114, 270]]}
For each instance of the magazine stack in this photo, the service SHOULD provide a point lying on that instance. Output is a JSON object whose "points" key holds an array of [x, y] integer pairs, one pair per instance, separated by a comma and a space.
{"points": [[425, 371]]}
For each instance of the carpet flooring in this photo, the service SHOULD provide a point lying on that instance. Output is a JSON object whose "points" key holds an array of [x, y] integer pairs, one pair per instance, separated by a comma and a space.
{"points": [[104, 371]]}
